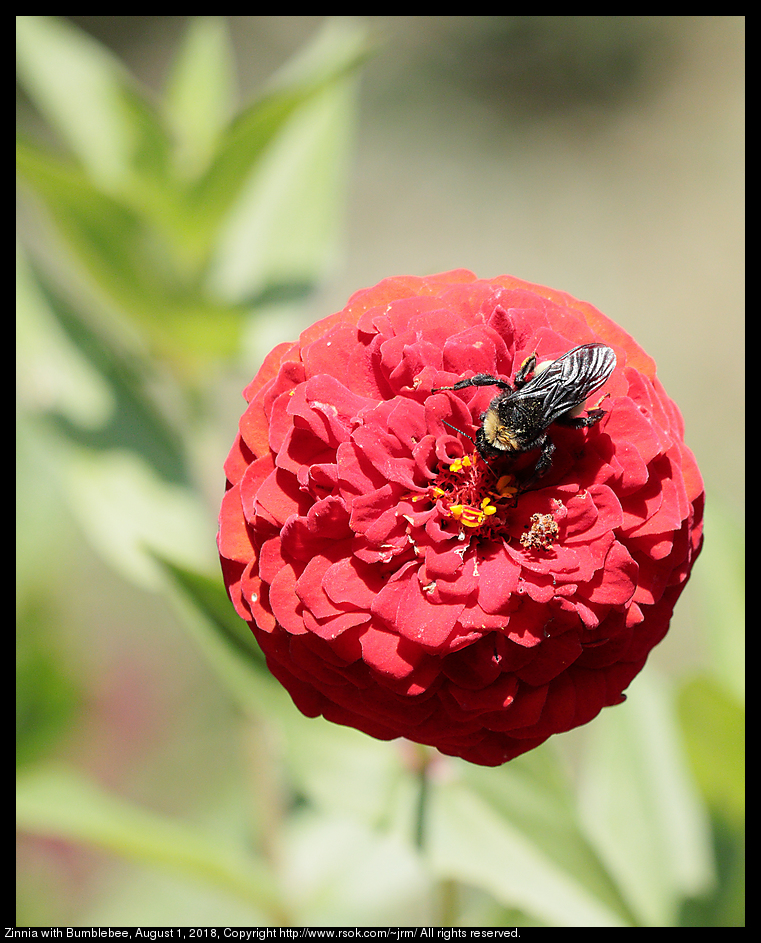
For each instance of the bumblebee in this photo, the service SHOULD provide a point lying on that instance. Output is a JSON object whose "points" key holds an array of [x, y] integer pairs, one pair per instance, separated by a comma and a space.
{"points": [[518, 417]]}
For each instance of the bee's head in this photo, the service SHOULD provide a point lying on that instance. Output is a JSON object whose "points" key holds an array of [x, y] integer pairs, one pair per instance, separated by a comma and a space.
{"points": [[496, 433]]}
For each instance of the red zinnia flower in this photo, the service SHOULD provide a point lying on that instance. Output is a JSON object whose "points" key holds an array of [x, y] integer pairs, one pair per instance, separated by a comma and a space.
{"points": [[399, 583]]}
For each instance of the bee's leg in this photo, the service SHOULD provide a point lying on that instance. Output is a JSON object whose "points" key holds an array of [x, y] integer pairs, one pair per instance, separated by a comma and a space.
{"points": [[544, 461], [480, 379], [580, 422], [526, 367]]}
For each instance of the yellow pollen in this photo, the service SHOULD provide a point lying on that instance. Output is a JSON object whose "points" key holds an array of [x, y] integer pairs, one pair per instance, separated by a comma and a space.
{"points": [[470, 516], [504, 486], [460, 463], [471, 508]]}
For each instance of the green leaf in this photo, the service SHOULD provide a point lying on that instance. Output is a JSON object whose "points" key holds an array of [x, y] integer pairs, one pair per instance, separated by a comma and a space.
{"points": [[342, 872], [719, 577], [284, 226], [336, 52], [128, 513], [87, 95], [52, 374], [714, 730], [47, 696], [210, 599], [136, 267], [225, 640], [179, 231], [119, 461], [640, 807], [115, 408], [63, 804], [200, 92], [340, 769], [512, 832], [103, 233]]}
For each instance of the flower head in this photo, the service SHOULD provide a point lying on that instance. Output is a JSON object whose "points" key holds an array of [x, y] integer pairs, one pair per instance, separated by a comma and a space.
{"points": [[402, 583]]}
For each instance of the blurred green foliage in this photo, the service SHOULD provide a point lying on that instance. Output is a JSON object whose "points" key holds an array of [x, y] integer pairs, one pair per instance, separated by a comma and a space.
{"points": [[173, 210], [153, 232]]}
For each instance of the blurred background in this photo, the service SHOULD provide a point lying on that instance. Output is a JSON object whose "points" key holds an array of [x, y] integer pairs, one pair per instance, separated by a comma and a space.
{"points": [[602, 156]]}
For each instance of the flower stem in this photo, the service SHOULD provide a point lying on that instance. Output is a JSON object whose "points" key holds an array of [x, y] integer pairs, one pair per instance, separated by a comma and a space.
{"points": [[421, 806]]}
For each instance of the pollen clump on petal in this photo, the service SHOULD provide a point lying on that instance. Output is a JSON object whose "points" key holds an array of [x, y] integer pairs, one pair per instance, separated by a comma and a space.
{"points": [[399, 582], [542, 532]]}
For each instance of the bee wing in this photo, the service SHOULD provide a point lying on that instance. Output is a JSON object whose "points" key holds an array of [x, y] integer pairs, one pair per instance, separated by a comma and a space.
{"points": [[568, 381]]}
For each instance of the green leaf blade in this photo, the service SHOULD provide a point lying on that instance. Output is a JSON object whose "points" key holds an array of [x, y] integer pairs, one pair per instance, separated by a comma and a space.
{"points": [[338, 51], [63, 804], [640, 808], [87, 95], [200, 94], [472, 841]]}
